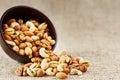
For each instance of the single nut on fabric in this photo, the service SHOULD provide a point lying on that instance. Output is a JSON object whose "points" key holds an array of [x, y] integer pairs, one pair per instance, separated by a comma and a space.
{"points": [[61, 75]]}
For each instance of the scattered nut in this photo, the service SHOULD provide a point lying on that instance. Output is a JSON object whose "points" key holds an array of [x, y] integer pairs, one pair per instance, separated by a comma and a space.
{"points": [[50, 72], [61, 66], [66, 70], [61, 75], [41, 66], [25, 71], [55, 70], [83, 68], [75, 72], [40, 73], [34, 65], [44, 64], [30, 72], [19, 71], [53, 64]]}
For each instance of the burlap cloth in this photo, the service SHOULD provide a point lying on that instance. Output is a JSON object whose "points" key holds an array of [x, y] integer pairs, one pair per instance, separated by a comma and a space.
{"points": [[87, 28]]}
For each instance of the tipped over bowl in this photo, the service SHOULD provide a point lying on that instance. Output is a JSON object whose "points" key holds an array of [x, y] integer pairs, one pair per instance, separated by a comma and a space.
{"points": [[25, 13]]}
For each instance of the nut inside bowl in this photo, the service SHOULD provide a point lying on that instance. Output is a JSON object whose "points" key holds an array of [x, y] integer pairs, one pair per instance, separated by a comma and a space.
{"points": [[25, 13]]}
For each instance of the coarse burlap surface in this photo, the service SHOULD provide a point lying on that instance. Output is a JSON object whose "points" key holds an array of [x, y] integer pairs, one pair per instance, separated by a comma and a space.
{"points": [[87, 28]]}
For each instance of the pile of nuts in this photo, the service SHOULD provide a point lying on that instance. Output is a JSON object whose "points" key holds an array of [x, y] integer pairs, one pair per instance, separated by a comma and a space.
{"points": [[27, 38], [52, 64], [32, 39]]}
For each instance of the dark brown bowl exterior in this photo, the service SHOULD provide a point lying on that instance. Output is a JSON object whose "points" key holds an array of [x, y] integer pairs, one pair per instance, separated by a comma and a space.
{"points": [[25, 13]]}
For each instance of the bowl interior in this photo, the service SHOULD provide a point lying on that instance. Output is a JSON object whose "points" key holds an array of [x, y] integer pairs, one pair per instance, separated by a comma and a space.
{"points": [[25, 13]]}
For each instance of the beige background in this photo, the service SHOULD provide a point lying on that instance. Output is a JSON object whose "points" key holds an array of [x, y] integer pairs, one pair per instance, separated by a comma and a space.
{"points": [[87, 28]]}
